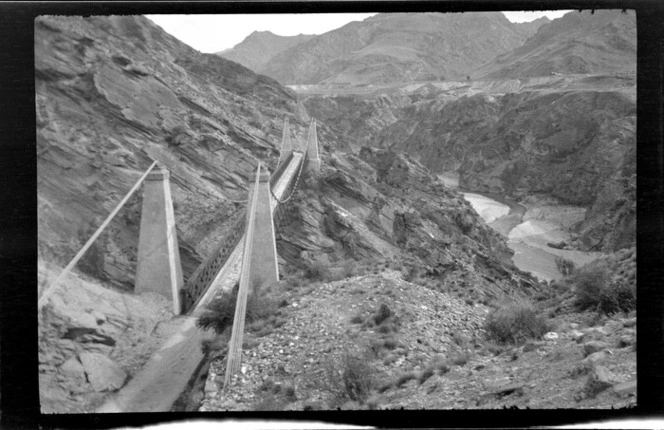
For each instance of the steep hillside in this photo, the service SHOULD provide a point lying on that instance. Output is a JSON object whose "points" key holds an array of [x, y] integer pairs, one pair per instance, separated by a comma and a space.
{"points": [[578, 42], [115, 93], [399, 48], [260, 46]]}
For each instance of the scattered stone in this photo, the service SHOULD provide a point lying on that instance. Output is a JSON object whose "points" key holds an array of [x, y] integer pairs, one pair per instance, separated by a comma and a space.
{"points": [[625, 341], [551, 335], [73, 369], [598, 381], [593, 346], [630, 322], [103, 373], [596, 357], [576, 335], [509, 389], [625, 388], [211, 386]]}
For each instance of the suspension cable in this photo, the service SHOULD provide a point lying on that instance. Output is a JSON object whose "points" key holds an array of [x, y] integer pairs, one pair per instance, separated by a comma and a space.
{"points": [[297, 181], [49, 290]]}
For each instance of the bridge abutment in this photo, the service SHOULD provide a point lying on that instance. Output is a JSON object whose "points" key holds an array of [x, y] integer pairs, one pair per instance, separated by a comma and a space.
{"points": [[158, 267]]}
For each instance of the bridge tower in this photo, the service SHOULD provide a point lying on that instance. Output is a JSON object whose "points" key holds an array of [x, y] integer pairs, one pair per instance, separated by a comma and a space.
{"points": [[312, 153], [158, 266], [286, 144], [259, 262]]}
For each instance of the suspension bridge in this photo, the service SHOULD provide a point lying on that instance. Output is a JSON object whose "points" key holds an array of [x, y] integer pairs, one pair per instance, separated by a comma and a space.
{"points": [[247, 254]]}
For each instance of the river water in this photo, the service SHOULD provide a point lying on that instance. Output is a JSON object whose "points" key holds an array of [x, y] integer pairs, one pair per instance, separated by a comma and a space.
{"points": [[528, 229]]}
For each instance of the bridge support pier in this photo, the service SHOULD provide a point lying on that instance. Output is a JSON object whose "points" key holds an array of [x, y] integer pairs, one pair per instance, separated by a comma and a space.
{"points": [[286, 144], [158, 267], [312, 152], [264, 266]]}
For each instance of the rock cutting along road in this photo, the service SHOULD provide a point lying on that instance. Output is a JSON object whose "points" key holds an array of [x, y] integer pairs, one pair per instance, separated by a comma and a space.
{"points": [[166, 374]]}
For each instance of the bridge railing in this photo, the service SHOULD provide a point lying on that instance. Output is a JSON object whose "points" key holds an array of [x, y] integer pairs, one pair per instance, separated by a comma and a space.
{"points": [[204, 275], [202, 278], [279, 172]]}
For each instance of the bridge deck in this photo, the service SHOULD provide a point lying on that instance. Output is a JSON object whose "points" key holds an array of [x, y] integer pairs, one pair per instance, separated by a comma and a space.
{"points": [[165, 375]]}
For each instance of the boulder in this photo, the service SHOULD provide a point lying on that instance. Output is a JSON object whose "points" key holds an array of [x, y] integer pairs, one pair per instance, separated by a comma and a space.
{"points": [[576, 335], [598, 381], [625, 341], [74, 370], [625, 388], [103, 373], [593, 346], [596, 357]]}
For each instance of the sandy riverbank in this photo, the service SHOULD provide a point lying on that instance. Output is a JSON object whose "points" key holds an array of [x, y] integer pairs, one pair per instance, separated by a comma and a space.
{"points": [[528, 227]]}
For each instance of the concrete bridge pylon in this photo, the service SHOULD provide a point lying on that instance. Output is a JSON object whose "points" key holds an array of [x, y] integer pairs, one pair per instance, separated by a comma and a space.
{"points": [[311, 149], [286, 144], [158, 266]]}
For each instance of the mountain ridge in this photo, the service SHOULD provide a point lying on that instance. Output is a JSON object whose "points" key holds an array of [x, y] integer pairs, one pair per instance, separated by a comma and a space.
{"points": [[399, 47], [578, 42]]}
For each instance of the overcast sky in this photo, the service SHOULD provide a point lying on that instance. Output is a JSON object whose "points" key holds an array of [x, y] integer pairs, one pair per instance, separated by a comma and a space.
{"points": [[214, 33]]}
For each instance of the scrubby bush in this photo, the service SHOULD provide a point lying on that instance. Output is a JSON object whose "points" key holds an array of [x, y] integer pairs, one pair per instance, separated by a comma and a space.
{"points": [[350, 377], [382, 314], [405, 377], [220, 313], [565, 266], [461, 359], [317, 270], [514, 323], [427, 373], [594, 289]]}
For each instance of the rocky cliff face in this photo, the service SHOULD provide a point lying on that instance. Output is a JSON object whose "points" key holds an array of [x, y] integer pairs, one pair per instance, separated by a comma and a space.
{"points": [[260, 46], [399, 47], [602, 41], [387, 205], [568, 138]]}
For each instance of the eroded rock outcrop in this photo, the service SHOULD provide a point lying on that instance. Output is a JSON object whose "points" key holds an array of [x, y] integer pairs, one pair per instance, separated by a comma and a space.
{"points": [[387, 205]]}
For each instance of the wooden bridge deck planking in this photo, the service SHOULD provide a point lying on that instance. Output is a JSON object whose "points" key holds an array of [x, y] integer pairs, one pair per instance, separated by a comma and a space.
{"points": [[166, 374]]}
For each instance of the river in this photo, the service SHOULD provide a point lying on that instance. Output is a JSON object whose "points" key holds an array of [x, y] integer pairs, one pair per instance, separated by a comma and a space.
{"points": [[528, 228]]}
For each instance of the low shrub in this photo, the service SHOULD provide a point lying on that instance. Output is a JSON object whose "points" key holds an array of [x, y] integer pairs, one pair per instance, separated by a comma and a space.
{"points": [[357, 319], [317, 270], [427, 373], [382, 314], [390, 343], [405, 377], [595, 290], [350, 377], [564, 266], [461, 359], [460, 339], [514, 323], [220, 313]]}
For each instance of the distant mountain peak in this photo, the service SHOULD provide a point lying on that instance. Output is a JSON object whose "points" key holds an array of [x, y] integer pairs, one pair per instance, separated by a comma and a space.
{"points": [[257, 48]]}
